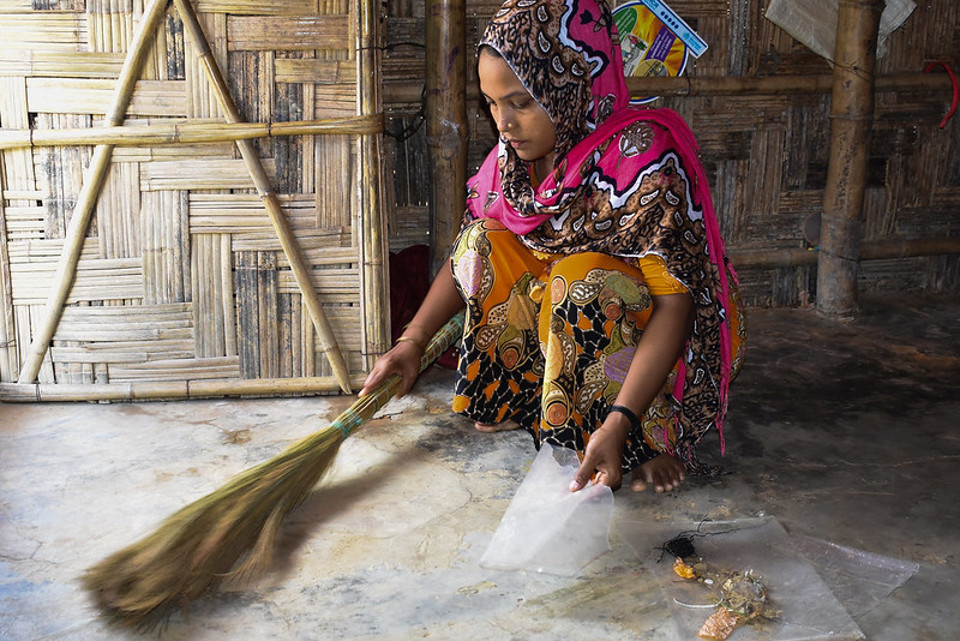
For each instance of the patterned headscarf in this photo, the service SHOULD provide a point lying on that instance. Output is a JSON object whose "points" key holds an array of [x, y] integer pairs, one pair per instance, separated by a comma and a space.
{"points": [[626, 181]]}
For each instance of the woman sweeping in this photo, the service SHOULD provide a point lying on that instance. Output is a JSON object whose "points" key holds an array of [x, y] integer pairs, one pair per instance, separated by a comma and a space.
{"points": [[601, 312]]}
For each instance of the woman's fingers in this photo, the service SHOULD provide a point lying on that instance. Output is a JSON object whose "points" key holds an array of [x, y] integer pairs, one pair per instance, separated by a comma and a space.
{"points": [[403, 359]]}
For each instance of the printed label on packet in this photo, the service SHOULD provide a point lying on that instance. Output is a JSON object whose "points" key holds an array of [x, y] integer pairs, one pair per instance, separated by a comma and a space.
{"points": [[654, 40]]}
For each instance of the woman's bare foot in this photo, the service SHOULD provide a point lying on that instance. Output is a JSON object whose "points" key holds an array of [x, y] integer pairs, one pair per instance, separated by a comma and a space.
{"points": [[506, 426], [664, 473]]}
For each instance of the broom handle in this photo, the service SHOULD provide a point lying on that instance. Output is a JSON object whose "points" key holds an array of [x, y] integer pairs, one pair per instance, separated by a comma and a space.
{"points": [[366, 406]]}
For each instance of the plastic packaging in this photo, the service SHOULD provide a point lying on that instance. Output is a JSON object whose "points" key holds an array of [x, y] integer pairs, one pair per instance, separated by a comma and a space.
{"points": [[808, 609], [860, 580], [547, 528]]}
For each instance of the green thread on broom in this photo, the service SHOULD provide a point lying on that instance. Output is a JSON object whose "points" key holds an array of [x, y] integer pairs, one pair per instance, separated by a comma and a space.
{"points": [[230, 533]]}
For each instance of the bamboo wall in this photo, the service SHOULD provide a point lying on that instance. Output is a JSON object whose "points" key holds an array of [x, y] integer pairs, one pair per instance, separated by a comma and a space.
{"points": [[183, 285], [761, 114]]}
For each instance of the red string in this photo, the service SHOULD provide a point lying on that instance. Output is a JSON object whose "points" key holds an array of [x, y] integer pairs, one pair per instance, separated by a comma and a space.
{"points": [[956, 91]]}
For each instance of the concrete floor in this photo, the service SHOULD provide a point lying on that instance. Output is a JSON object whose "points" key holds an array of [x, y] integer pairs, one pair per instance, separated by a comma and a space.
{"points": [[837, 434]]}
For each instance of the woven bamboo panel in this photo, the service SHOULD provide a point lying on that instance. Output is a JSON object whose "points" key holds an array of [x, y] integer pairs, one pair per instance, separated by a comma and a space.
{"points": [[182, 275], [767, 156]]}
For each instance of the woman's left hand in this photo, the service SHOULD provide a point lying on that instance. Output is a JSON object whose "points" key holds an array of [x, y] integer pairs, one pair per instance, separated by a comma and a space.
{"points": [[602, 456]]}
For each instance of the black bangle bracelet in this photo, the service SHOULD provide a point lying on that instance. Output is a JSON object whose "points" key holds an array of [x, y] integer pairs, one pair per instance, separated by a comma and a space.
{"points": [[626, 411]]}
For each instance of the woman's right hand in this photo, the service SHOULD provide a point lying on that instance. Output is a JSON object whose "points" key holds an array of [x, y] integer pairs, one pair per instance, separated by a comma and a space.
{"points": [[403, 359], [441, 303]]}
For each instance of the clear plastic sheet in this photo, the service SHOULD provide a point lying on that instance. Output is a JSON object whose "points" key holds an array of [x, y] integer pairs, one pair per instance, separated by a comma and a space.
{"points": [[860, 580], [547, 528], [808, 609]]}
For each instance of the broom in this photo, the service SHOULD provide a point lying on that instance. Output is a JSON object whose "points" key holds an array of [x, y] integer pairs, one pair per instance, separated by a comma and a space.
{"points": [[230, 533]]}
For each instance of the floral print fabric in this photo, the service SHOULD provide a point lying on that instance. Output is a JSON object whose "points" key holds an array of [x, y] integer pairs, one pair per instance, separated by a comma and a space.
{"points": [[627, 184]]}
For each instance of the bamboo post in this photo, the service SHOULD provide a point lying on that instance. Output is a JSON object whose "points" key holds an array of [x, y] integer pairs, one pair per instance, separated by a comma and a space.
{"points": [[373, 240], [8, 351], [446, 120], [87, 199], [851, 114], [288, 242]]}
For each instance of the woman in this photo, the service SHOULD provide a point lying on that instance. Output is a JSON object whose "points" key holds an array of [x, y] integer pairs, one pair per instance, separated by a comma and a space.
{"points": [[600, 306]]}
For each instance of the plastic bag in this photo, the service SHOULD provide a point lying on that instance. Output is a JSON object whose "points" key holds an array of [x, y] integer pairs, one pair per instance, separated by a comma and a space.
{"points": [[547, 528], [809, 609], [860, 580]]}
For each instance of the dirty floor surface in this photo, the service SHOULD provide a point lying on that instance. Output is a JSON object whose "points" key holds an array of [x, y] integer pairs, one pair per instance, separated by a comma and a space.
{"points": [[839, 434]]}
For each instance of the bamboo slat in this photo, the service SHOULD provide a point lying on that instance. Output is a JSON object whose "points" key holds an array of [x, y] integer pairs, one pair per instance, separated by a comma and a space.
{"points": [[257, 7], [321, 72], [176, 370], [86, 354], [206, 173], [335, 163], [302, 32], [248, 344], [85, 96], [290, 356], [118, 212], [16, 6], [267, 302], [25, 222], [61, 64], [110, 28], [95, 280], [165, 243], [267, 240], [63, 31], [210, 259]]}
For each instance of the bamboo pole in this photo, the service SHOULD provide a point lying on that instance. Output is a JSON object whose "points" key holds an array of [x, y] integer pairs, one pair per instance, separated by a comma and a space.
{"points": [[8, 333], [851, 115], [288, 242], [87, 199], [373, 242], [884, 249], [186, 133], [446, 120], [774, 85], [410, 92], [170, 390]]}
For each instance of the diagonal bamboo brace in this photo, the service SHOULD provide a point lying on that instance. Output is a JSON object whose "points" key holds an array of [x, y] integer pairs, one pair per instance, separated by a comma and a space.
{"points": [[288, 241], [89, 193]]}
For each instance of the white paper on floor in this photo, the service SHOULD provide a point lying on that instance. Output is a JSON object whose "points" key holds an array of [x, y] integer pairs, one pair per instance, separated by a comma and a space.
{"points": [[547, 528], [809, 611]]}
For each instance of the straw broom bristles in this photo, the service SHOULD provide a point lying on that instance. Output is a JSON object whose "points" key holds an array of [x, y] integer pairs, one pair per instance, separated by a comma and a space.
{"points": [[230, 533]]}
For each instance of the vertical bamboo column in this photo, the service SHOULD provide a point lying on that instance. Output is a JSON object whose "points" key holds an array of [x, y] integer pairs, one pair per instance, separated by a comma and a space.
{"points": [[851, 115], [8, 347], [268, 196], [87, 199], [373, 237], [446, 120]]}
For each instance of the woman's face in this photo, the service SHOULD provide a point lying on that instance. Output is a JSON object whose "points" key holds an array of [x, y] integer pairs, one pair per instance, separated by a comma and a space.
{"points": [[521, 120]]}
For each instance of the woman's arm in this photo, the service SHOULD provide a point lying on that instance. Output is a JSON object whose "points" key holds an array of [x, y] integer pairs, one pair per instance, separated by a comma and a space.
{"points": [[657, 351], [440, 304]]}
